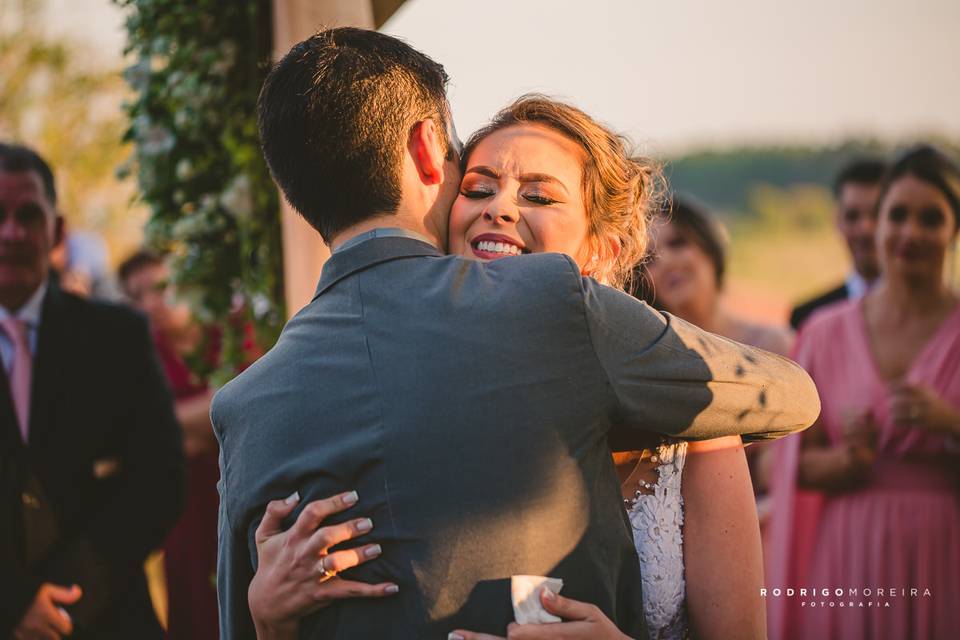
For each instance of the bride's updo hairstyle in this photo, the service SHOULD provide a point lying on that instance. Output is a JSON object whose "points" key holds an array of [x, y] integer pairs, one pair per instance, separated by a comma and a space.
{"points": [[620, 190]]}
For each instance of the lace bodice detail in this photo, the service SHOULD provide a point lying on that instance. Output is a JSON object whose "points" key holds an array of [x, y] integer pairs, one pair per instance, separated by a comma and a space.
{"points": [[657, 521]]}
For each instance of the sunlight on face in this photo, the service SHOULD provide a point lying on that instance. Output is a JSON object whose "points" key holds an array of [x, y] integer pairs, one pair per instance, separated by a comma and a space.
{"points": [[680, 270], [521, 193], [27, 233], [916, 229]]}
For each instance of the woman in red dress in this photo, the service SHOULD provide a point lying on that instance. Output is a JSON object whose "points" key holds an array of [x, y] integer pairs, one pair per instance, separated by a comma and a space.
{"points": [[190, 552]]}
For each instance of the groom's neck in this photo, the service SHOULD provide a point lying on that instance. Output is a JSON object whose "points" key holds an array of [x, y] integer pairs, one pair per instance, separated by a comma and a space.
{"points": [[392, 221]]}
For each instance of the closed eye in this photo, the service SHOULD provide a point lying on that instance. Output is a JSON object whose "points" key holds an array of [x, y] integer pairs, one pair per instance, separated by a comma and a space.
{"points": [[476, 194], [537, 198]]}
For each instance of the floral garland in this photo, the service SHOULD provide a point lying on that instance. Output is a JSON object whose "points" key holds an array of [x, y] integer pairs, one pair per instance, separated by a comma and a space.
{"points": [[198, 66]]}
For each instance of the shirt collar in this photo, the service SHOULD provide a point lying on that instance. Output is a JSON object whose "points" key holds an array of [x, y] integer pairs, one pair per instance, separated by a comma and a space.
{"points": [[383, 232], [32, 308], [362, 255], [856, 286]]}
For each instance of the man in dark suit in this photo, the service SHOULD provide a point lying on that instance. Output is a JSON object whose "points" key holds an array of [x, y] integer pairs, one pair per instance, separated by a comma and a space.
{"points": [[469, 404], [856, 189], [91, 460]]}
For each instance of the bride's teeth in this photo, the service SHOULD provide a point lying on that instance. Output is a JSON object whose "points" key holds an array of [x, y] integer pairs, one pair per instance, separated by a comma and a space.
{"points": [[506, 248]]}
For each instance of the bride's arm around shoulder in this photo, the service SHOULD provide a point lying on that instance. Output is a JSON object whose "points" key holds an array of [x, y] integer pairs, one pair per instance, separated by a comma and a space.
{"points": [[721, 543]]}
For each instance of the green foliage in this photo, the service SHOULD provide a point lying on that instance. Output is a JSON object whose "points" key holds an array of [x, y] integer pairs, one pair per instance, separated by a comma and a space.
{"points": [[727, 178], [798, 208], [197, 70]]}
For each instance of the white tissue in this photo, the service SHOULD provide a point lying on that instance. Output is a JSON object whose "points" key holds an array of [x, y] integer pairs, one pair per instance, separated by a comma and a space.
{"points": [[525, 591]]}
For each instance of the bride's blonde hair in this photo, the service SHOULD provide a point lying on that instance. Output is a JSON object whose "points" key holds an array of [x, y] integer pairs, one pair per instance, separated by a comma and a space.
{"points": [[621, 191]]}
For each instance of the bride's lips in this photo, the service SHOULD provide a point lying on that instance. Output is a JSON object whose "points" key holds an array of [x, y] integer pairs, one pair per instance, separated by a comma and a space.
{"points": [[496, 245], [910, 252]]}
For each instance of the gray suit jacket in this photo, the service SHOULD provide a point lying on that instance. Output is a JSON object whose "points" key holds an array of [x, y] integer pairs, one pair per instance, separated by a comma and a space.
{"points": [[470, 405]]}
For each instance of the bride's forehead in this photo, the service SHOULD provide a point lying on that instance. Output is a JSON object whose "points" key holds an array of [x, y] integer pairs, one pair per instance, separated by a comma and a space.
{"points": [[529, 147]]}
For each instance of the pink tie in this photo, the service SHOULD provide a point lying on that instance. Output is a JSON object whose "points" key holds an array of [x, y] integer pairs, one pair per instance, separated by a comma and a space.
{"points": [[21, 372]]}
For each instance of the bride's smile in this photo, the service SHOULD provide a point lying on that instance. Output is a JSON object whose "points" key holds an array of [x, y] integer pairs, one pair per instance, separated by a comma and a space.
{"points": [[521, 193]]}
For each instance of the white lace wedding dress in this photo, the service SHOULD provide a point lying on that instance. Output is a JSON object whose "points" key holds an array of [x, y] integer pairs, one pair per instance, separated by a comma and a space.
{"points": [[656, 513]]}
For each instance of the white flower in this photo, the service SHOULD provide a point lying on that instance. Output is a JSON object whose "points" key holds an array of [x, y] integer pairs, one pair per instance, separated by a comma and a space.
{"points": [[207, 202], [140, 125], [237, 198], [138, 75], [154, 139], [184, 169], [237, 299], [181, 118], [261, 305]]}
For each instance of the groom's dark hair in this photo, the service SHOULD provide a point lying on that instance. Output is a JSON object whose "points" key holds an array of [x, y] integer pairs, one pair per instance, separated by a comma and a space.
{"points": [[335, 115]]}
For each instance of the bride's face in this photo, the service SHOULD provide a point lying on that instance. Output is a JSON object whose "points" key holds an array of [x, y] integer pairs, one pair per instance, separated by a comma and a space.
{"points": [[521, 193]]}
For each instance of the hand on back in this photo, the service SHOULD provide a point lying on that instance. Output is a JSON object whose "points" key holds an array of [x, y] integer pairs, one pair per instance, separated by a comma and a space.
{"points": [[296, 575]]}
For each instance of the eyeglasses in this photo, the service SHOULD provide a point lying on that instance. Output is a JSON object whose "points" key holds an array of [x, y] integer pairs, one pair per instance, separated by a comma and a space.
{"points": [[456, 145]]}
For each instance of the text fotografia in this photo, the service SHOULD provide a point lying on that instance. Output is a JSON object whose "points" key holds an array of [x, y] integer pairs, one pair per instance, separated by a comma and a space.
{"points": [[859, 598]]}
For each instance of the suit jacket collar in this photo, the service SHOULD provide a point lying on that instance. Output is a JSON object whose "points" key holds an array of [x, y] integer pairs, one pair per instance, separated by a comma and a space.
{"points": [[31, 311], [53, 340], [10, 434], [855, 286], [374, 251]]}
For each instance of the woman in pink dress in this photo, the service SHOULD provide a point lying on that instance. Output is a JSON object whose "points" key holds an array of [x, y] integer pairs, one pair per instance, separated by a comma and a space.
{"points": [[867, 501]]}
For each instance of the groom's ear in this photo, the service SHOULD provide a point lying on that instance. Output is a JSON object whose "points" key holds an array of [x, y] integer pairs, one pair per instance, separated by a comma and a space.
{"points": [[426, 148]]}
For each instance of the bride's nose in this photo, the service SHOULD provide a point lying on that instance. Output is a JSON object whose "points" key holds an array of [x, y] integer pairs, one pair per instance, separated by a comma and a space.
{"points": [[500, 212]]}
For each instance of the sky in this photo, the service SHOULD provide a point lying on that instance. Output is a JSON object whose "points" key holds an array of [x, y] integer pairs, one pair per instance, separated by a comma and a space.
{"points": [[675, 74], [681, 73]]}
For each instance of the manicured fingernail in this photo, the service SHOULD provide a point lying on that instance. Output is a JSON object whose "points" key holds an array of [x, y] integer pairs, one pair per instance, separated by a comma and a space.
{"points": [[292, 498], [454, 636], [350, 498], [392, 589], [365, 525], [373, 551], [549, 595]]}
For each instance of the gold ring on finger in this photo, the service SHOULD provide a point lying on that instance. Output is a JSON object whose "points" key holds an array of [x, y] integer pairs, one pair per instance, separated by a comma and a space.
{"points": [[325, 573]]}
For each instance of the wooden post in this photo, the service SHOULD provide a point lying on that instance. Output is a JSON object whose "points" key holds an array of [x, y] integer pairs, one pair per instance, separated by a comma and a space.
{"points": [[304, 252]]}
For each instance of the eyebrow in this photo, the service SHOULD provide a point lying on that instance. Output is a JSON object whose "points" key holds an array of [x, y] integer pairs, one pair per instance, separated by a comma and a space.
{"points": [[490, 172]]}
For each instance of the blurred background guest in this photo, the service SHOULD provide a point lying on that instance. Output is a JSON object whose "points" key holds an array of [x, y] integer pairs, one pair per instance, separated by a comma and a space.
{"points": [[684, 276], [91, 475], [82, 266], [190, 553], [856, 189], [883, 456]]}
